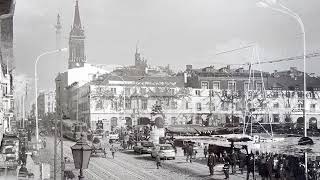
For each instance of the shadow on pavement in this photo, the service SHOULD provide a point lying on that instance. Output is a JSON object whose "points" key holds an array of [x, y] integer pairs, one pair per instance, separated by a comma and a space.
{"points": [[129, 152], [147, 158]]}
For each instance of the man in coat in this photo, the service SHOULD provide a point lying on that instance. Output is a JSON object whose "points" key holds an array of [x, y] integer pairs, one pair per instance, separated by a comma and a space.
{"points": [[233, 161], [189, 153], [242, 161], [212, 159]]}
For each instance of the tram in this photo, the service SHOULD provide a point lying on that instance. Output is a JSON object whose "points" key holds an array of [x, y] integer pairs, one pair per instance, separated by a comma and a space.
{"points": [[72, 129]]}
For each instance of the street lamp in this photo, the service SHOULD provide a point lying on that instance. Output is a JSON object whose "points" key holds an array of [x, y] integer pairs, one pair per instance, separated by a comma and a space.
{"points": [[36, 87], [81, 152], [286, 10]]}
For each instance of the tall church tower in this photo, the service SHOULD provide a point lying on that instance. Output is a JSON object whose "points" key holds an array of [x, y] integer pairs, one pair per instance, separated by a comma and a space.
{"points": [[58, 33], [77, 57]]}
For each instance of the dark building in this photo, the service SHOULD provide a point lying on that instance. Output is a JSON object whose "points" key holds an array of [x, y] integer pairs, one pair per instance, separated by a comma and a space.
{"points": [[224, 78], [238, 79], [77, 56]]}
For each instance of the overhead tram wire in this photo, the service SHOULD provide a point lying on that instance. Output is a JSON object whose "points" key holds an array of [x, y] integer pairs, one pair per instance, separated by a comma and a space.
{"points": [[295, 58]]}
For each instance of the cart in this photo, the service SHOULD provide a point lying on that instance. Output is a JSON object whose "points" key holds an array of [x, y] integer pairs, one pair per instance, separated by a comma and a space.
{"points": [[98, 148]]}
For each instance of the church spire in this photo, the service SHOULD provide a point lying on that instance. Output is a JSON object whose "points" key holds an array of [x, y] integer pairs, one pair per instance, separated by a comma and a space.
{"points": [[76, 20], [77, 56]]}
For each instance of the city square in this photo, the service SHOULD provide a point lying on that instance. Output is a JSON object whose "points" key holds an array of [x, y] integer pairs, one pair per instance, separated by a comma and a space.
{"points": [[159, 89]]}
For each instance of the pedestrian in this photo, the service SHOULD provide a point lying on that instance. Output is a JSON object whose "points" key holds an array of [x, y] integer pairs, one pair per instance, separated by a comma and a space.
{"points": [[242, 161], [280, 173], [233, 161], [158, 161], [226, 167], [113, 151], [250, 166], [269, 166], [184, 148], [189, 153], [205, 151], [44, 143], [301, 171], [212, 159], [226, 158], [263, 168], [313, 173]]}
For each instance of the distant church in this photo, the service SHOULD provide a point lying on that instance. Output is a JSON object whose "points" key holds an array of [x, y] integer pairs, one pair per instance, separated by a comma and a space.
{"points": [[79, 72], [77, 56]]}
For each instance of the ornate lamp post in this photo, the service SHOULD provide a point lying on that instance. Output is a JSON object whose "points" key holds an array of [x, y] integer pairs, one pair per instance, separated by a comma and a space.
{"points": [[81, 152]]}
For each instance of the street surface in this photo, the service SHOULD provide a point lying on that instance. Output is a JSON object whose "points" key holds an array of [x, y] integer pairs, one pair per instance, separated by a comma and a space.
{"points": [[128, 165]]}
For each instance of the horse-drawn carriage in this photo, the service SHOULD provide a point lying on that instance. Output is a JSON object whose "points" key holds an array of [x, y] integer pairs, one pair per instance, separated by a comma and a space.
{"points": [[98, 148]]}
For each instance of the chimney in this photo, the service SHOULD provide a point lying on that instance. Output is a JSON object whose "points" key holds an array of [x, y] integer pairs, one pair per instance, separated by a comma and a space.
{"points": [[189, 67]]}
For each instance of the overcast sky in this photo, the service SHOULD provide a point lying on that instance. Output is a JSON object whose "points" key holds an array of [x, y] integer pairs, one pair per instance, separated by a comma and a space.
{"points": [[175, 32]]}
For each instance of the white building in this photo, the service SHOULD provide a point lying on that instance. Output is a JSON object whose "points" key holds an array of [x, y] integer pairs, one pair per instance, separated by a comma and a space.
{"points": [[103, 99]]}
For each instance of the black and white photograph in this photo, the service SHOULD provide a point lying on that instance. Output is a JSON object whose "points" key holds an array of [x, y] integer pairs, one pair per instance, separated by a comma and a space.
{"points": [[159, 89]]}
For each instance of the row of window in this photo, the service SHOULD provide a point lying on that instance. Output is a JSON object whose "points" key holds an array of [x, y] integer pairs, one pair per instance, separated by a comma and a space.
{"points": [[231, 85], [115, 105], [128, 90], [174, 105]]}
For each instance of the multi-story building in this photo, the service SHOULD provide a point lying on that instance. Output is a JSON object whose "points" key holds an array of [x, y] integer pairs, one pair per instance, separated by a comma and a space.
{"points": [[46, 103], [205, 97], [120, 101], [227, 95], [6, 70]]}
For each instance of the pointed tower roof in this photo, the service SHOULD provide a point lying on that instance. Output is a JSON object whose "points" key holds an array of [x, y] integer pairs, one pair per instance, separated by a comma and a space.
{"points": [[58, 25], [76, 21]]}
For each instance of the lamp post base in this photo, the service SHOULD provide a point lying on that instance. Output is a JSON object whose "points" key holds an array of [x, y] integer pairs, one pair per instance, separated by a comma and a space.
{"points": [[81, 177]]}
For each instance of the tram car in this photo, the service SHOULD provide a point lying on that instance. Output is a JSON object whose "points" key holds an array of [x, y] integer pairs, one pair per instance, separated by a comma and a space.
{"points": [[72, 129]]}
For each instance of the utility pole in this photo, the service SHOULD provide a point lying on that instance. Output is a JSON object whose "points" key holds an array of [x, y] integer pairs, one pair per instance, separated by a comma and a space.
{"points": [[56, 133], [61, 136], [232, 97], [58, 28], [23, 112]]}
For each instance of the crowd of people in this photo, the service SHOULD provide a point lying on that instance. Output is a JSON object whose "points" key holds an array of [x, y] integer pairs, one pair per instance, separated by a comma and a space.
{"points": [[266, 165]]}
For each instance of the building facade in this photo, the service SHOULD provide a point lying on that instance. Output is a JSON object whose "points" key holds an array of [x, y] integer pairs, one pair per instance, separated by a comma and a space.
{"points": [[128, 101], [7, 120], [46, 103], [199, 99], [229, 95]]}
